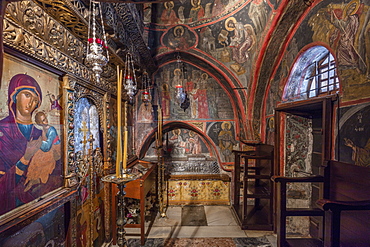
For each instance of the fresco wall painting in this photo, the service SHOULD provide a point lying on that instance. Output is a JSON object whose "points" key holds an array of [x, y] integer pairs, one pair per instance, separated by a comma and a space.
{"points": [[208, 104], [353, 137], [298, 152], [208, 26]]}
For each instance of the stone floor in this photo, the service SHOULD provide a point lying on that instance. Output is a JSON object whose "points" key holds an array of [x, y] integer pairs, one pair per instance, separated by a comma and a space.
{"points": [[220, 224]]}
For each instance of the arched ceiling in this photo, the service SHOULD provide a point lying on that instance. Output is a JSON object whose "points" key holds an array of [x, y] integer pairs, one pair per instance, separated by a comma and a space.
{"points": [[250, 101]]}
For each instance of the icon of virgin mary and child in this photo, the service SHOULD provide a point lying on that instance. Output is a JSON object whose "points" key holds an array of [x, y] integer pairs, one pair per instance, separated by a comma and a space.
{"points": [[30, 149]]}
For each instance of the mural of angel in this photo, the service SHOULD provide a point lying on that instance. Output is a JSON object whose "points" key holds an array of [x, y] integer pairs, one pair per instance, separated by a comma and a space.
{"points": [[258, 14], [344, 35], [342, 26], [364, 46]]}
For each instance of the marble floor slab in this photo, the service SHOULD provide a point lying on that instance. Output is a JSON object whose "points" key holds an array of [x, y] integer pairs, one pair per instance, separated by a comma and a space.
{"points": [[193, 216], [221, 224]]}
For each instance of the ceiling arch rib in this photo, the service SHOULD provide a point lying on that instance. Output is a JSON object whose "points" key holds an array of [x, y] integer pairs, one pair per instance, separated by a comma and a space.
{"points": [[291, 11]]}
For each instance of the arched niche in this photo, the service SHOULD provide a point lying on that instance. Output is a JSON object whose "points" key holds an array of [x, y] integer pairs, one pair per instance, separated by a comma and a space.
{"points": [[182, 142]]}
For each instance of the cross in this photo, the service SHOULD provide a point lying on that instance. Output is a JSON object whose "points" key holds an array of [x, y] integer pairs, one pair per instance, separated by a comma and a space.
{"points": [[84, 130]]}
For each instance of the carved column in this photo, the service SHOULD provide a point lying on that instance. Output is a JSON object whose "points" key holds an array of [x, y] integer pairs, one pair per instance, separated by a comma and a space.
{"points": [[107, 149]]}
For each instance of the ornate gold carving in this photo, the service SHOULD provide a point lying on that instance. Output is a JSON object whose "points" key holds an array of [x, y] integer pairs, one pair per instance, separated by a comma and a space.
{"points": [[64, 14], [68, 101], [97, 162], [32, 18], [82, 165], [29, 29], [107, 135]]}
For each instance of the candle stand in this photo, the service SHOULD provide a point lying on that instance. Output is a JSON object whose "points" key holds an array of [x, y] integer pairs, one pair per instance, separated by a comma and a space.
{"points": [[121, 221]]}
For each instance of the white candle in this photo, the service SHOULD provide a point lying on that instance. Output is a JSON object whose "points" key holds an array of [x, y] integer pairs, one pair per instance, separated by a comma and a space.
{"points": [[125, 139]]}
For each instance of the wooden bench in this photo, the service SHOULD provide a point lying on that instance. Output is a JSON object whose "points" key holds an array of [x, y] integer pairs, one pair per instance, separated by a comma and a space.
{"points": [[346, 208]]}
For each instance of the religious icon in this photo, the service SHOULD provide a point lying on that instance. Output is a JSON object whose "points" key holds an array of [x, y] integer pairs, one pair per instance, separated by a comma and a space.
{"points": [[22, 145]]}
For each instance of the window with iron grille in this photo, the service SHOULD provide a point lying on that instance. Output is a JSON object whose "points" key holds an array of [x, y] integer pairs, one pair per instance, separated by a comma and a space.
{"points": [[324, 78], [313, 74]]}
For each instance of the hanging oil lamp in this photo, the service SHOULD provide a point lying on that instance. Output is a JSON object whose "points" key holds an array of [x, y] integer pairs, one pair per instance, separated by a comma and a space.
{"points": [[96, 45], [130, 80], [145, 96], [180, 93]]}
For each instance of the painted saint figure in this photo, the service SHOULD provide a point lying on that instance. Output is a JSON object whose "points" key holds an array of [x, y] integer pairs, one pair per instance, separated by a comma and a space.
{"points": [[19, 141], [179, 38], [145, 113], [194, 143], [226, 141], [177, 143], [197, 11], [54, 101], [240, 43], [168, 15], [177, 78], [166, 99], [201, 97], [360, 155]]}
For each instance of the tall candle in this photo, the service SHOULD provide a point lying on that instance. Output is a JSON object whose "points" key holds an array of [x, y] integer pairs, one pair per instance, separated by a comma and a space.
{"points": [[160, 125], [119, 123], [125, 139]]}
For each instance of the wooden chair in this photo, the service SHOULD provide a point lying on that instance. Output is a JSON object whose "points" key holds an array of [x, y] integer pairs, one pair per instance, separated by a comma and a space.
{"points": [[284, 212], [333, 210], [345, 207]]}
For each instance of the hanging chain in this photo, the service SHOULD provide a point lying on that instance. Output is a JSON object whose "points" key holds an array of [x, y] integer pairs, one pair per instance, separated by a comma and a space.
{"points": [[102, 26]]}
